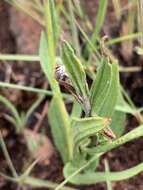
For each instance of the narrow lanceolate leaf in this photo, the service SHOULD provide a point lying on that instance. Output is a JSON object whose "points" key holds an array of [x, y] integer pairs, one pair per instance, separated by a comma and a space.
{"points": [[95, 177], [134, 134], [124, 106], [46, 64], [51, 22], [99, 20], [48, 43], [39, 183], [98, 177], [61, 129], [105, 89], [86, 127], [118, 123], [101, 86], [119, 117], [74, 69], [55, 21], [110, 103], [76, 110]]}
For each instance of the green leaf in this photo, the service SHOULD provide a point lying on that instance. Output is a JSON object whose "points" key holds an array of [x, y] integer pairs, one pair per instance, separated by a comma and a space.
{"points": [[52, 22], [99, 20], [77, 170], [118, 123], [134, 134], [61, 129], [97, 177], [55, 21], [48, 44], [39, 183], [119, 118], [100, 86], [109, 105], [76, 110], [73, 175], [86, 127], [105, 89], [46, 64], [73, 27], [124, 106], [75, 69]]}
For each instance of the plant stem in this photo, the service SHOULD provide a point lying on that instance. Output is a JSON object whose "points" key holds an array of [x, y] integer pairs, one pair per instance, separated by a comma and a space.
{"points": [[10, 57], [74, 28], [6, 154]]}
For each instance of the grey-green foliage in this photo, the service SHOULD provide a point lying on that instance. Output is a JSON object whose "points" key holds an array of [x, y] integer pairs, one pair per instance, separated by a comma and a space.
{"points": [[102, 98], [119, 117], [105, 89], [77, 74], [58, 116], [105, 99], [55, 21], [61, 128], [46, 65], [77, 139], [75, 69], [95, 177], [86, 127], [118, 123], [99, 23]]}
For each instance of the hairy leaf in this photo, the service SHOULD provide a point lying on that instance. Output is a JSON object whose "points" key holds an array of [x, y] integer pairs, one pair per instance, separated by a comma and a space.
{"points": [[96, 177], [134, 134], [61, 129], [123, 106], [75, 69], [100, 18], [109, 105], [99, 21], [46, 64], [76, 110], [86, 127], [118, 123], [105, 89], [55, 21], [101, 86]]}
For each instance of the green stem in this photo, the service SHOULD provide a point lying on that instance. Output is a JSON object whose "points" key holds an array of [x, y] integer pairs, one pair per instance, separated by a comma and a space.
{"points": [[74, 28], [31, 89], [6, 154], [9, 57]]}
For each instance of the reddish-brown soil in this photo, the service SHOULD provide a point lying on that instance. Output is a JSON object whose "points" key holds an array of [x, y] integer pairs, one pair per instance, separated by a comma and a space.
{"points": [[19, 34]]}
